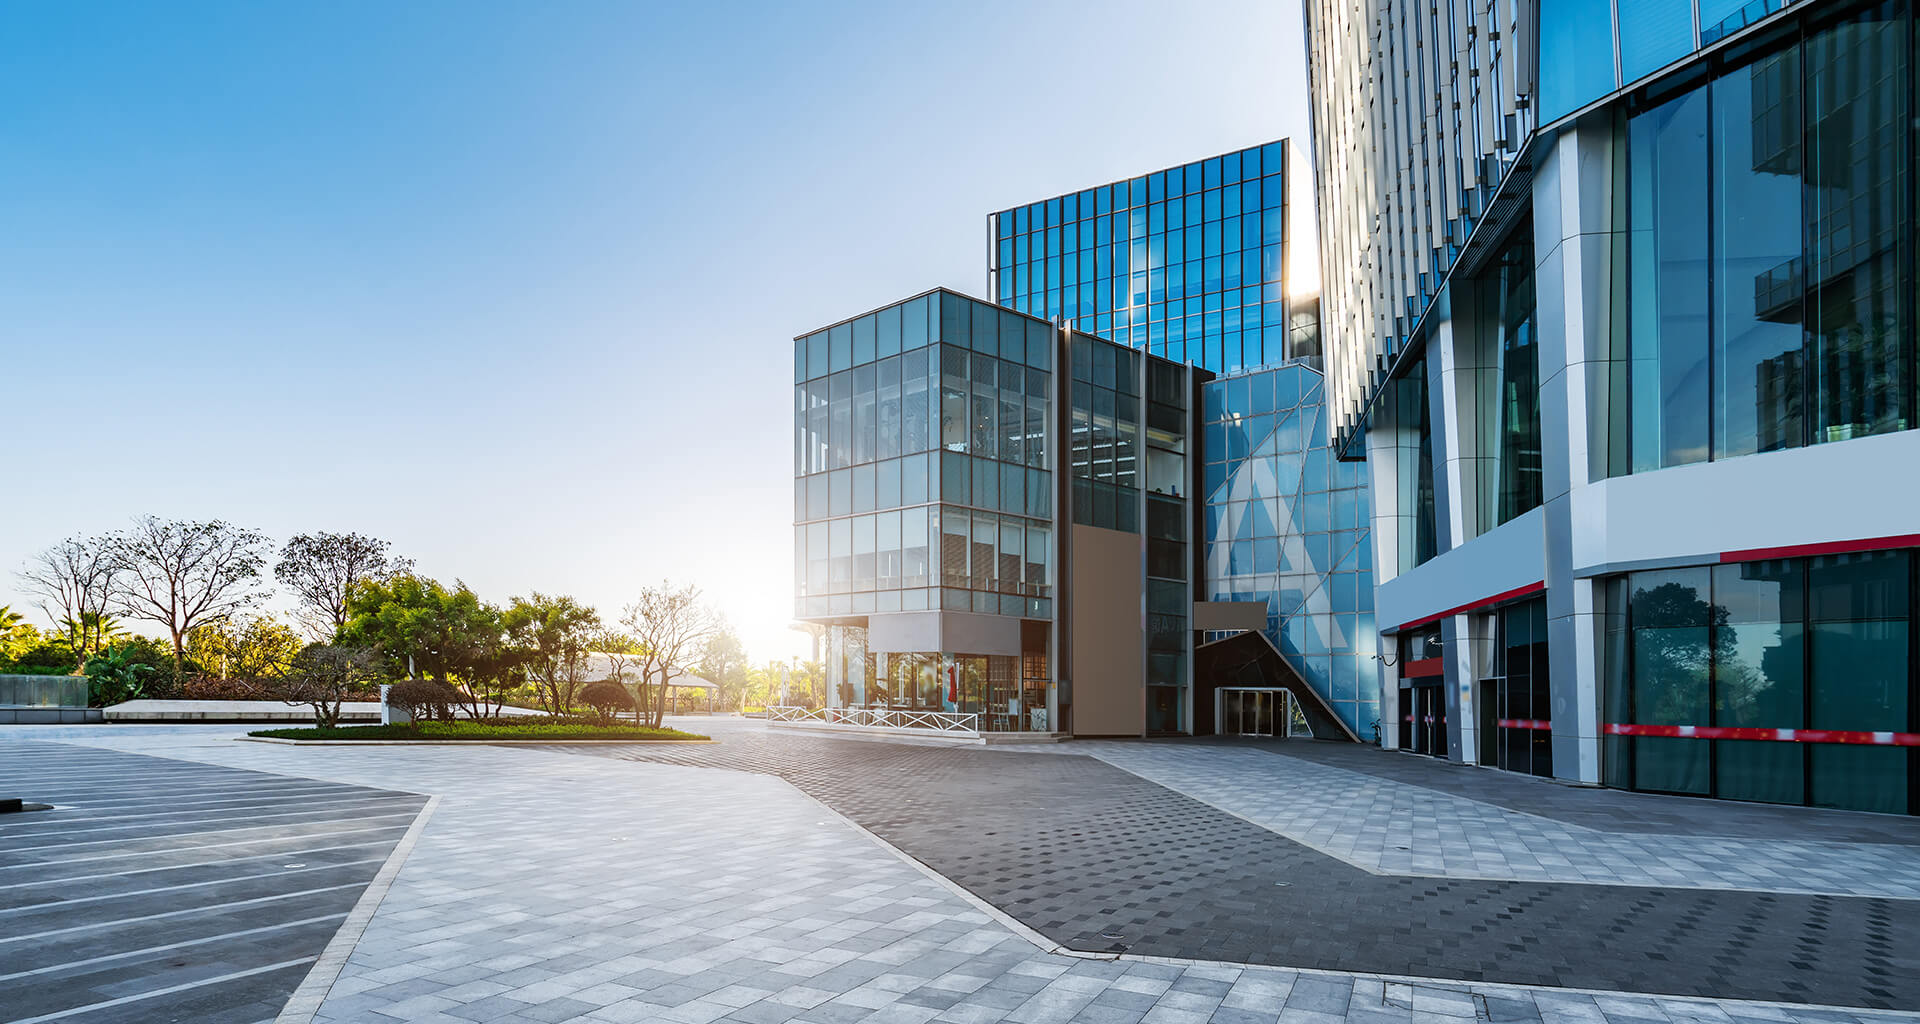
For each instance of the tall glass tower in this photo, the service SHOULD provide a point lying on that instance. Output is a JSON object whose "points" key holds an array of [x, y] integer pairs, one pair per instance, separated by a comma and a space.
{"points": [[1186, 263]]}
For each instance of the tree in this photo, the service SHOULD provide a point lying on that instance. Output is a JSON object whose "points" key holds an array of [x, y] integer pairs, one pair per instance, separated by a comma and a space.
{"points": [[670, 624], [180, 574], [18, 639], [557, 634], [251, 649], [93, 630], [724, 660], [487, 662], [323, 568], [323, 676], [413, 620], [623, 658], [74, 580]]}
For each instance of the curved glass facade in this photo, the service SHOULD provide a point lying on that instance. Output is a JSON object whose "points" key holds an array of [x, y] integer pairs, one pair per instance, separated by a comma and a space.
{"points": [[1288, 524]]}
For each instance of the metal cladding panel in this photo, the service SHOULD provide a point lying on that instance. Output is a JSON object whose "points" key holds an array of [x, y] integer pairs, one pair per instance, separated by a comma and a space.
{"points": [[1411, 104]]}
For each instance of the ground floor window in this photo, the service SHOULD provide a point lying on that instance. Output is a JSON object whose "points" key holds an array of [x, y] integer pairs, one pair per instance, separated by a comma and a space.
{"points": [[1788, 681], [1007, 693]]}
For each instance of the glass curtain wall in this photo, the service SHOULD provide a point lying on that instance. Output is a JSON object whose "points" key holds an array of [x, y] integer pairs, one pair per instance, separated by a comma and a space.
{"points": [[920, 476], [1418, 520], [1104, 431], [1507, 351], [1169, 565], [1186, 263], [1771, 253], [1288, 524], [1777, 681]]}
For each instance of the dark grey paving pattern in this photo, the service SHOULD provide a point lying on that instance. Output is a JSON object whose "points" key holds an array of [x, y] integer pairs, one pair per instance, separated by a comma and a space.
{"points": [[1080, 851], [1610, 810], [164, 890]]}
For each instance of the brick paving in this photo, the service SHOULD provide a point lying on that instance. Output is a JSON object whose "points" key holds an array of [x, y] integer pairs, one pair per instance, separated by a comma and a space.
{"points": [[553, 886], [1100, 859]]}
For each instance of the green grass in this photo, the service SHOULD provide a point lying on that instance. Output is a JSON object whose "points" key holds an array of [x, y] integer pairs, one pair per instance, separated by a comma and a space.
{"points": [[481, 731]]}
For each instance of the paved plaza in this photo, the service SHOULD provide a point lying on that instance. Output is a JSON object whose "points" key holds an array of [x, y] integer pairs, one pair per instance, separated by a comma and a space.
{"points": [[605, 883]]}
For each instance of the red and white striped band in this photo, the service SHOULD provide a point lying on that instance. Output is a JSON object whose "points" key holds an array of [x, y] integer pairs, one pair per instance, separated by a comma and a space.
{"points": [[1728, 732], [1526, 723]]}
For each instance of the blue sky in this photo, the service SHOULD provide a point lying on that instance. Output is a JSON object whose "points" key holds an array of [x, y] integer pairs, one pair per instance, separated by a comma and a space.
{"points": [[513, 285]]}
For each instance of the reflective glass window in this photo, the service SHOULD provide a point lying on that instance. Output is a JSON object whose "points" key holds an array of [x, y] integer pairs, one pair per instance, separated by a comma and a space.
{"points": [[1671, 613], [1756, 258], [1576, 54], [1653, 34], [1858, 160], [1668, 210]]}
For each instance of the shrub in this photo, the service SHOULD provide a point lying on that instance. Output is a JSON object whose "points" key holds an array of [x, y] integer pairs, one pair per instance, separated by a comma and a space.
{"points": [[115, 675], [606, 698], [424, 699]]}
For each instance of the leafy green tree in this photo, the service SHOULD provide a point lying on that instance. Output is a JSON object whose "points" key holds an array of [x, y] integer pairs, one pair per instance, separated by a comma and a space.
{"points": [[116, 675], [491, 666], [323, 568], [556, 633], [413, 619], [724, 661], [17, 636], [250, 650], [46, 654]]}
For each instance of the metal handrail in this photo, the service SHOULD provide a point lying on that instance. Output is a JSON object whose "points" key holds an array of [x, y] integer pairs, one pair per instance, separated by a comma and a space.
{"points": [[881, 718]]}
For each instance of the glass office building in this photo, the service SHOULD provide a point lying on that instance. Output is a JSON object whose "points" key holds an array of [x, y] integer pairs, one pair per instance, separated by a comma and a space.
{"points": [[1287, 527], [1635, 385], [1188, 263], [950, 456]]}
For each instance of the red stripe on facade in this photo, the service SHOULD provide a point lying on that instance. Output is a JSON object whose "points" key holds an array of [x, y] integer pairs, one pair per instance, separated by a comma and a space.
{"points": [[1836, 547], [1423, 669], [1531, 588], [1728, 732], [1526, 723]]}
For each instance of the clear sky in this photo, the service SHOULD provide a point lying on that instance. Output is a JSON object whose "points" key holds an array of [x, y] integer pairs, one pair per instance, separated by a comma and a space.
{"points": [[513, 285]]}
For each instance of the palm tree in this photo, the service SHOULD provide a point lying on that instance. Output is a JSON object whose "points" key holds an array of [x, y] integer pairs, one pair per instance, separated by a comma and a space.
{"points": [[90, 633]]}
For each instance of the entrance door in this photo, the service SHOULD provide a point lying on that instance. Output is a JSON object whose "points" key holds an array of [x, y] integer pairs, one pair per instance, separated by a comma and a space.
{"points": [[1254, 712], [1429, 721]]}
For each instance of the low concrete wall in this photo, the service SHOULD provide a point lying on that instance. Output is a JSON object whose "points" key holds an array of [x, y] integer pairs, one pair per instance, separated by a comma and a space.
{"points": [[50, 716], [43, 691]]}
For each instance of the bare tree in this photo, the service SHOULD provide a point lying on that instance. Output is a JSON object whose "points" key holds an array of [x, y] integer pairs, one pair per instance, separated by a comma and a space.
{"points": [[623, 656], [323, 676], [670, 624], [322, 568], [74, 581], [180, 574]]}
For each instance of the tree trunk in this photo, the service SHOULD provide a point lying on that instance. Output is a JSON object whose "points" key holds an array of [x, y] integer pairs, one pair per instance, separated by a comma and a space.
{"points": [[176, 657], [660, 705]]}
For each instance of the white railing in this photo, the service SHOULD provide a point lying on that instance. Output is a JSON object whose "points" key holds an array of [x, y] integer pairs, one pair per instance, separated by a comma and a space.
{"points": [[880, 718]]}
